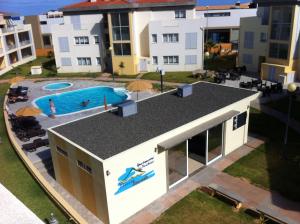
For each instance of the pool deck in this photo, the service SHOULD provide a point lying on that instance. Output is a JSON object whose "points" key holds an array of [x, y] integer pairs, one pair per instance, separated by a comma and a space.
{"points": [[41, 158]]}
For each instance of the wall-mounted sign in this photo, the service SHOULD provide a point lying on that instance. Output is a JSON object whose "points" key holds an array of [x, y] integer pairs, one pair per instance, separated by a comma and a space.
{"points": [[135, 175], [239, 120]]}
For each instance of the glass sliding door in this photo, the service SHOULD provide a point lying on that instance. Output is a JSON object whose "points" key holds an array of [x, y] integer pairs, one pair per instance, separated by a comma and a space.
{"points": [[177, 163], [215, 143]]}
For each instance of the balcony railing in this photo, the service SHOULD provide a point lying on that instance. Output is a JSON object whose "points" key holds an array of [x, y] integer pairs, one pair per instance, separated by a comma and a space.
{"points": [[8, 29], [24, 42]]}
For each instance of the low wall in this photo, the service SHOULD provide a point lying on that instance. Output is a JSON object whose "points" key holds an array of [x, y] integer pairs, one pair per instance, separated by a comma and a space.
{"points": [[53, 194]]}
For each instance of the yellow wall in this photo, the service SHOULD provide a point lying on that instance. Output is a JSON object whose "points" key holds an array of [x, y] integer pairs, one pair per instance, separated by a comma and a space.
{"points": [[2, 63], [130, 61], [88, 188]]}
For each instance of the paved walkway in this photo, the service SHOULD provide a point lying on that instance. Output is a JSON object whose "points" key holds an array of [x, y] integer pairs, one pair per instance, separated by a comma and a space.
{"points": [[253, 195]]}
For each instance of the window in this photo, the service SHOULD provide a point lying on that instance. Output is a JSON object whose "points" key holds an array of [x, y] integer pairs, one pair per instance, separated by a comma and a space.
{"points": [[217, 14], [191, 41], [170, 38], [281, 23], [66, 62], [63, 43], [249, 40], [84, 61], [120, 26], [98, 61], [265, 11], [43, 22], [61, 151], [279, 51], [122, 49], [47, 40], [263, 37], [155, 60], [84, 166], [171, 60], [247, 59], [191, 59], [154, 38], [97, 39], [180, 14], [81, 40]]}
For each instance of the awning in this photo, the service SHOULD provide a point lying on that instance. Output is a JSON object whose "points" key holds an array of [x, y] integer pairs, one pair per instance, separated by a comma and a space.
{"points": [[195, 131]]}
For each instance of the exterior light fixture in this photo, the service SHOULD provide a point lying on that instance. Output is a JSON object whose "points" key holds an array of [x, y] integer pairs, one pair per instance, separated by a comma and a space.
{"points": [[107, 173]]}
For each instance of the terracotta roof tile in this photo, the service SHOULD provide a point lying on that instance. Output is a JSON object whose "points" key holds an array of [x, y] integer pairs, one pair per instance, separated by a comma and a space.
{"points": [[222, 7]]}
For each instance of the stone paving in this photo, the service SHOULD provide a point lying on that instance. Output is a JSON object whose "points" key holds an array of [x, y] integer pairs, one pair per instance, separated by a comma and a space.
{"points": [[253, 195]]}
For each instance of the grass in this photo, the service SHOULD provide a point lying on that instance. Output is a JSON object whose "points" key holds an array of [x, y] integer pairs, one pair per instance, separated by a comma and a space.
{"points": [[176, 77], [49, 70], [282, 106], [217, 63], [273, 165], [199, 207], [15, 177]]}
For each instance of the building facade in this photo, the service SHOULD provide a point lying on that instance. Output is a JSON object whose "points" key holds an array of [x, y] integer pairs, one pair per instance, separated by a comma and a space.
{"points": [[16, 44], [116, 174], [222, 22], [280, 20], [42, 30], [132, 37]]}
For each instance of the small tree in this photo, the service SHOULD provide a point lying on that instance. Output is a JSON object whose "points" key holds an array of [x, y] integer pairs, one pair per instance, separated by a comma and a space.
{"points": [[121, 66]]}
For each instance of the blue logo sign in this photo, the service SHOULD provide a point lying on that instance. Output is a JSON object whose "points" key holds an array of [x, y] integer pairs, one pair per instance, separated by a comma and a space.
{"points": [[134, 176]]}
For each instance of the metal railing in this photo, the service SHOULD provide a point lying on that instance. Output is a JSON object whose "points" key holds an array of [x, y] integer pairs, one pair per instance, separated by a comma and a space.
{"points": [[24, 42], [11, 46]]}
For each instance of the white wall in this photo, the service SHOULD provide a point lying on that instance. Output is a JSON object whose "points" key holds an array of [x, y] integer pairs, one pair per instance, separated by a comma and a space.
{"points": [[127, 203], [161, 49], [225, 21], [46, 28], [90, 26]]}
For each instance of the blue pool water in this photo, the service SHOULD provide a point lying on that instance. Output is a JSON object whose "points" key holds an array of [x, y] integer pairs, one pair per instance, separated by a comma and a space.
{"points": [[57, 86], [70, 102]]}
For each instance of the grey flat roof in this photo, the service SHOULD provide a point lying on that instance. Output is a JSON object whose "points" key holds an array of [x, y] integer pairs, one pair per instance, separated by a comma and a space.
{"points": [[107, 134]]}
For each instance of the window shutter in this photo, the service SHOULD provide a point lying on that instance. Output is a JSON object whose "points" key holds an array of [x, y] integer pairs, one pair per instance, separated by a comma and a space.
{"points": [[63, 43]]}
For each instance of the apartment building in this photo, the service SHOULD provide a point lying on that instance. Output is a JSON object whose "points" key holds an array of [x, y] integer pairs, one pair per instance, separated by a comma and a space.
{"points": [[222, 22], [128, 37], [16, 44], [42, 30], [275, 33]]}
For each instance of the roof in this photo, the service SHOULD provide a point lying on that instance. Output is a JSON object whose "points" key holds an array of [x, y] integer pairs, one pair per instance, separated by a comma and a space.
{"points": [[222, 7], [107, 134], [276, 2], [125, 4]]}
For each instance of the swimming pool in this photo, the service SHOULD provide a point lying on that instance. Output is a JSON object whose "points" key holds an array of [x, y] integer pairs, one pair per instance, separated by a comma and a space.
{"points": [[70, 102], [57, 86]]}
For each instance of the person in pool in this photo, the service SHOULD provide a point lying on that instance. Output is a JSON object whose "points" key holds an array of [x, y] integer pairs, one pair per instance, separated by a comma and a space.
{"points": [[85, 103], [52, 108]]}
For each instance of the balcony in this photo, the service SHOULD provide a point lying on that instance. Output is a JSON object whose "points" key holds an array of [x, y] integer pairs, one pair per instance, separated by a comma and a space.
{"points": [[8, 29], [11, 46]]}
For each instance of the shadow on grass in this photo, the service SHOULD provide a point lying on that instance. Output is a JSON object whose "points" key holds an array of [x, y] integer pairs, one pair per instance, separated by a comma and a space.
{"points": [[273, 166]]}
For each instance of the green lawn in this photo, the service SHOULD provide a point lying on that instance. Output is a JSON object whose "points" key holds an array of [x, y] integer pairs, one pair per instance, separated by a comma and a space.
{"points": [[49, 70], [224, 62], [282, 106], [199, 207], [273, 165], [176, 77], [15, 177]]}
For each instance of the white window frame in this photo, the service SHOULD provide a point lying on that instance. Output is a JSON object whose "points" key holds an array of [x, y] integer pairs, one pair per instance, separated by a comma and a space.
{"points": [[154, 36], [81, 40], [84, 167], [84, 61], [153, 60], [180, 14], [170, 37], [171, 60], [96, 39], [98, 60]]}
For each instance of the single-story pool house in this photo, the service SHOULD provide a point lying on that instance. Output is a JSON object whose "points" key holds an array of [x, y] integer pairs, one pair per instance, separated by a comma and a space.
{"points": [[119, 161]]}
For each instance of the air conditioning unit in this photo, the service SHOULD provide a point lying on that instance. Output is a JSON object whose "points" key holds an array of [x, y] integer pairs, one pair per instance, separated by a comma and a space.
{"points": [[185, 90], [127, 108]]}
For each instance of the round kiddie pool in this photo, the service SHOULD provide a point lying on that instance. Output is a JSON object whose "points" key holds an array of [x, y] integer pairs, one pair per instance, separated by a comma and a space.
{"points": [[71, 102], [57, 86]]}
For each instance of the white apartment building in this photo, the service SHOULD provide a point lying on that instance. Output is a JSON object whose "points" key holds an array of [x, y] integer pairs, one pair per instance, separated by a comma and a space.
{"points": [[222, 22], [129, 37], [16, 44]]}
